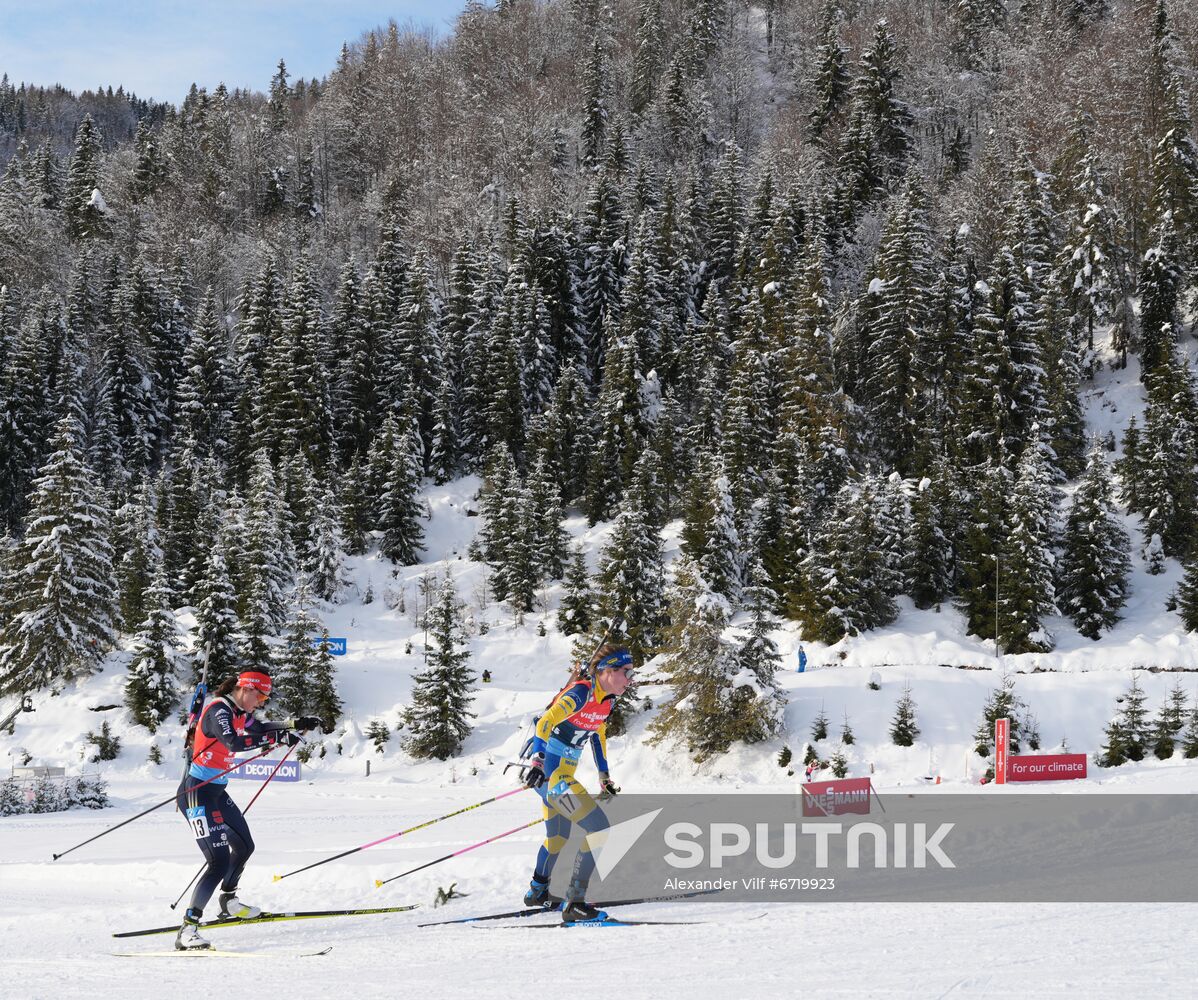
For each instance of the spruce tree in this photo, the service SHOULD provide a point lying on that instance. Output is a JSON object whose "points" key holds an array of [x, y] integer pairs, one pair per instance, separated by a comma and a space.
{"points": [[1187, 596], [830, 80], [1002, 703], [930, 550], [758, 703], [898, 303], [1161, 280], [903, 730], [83, 206], [323, 698], [631, 578], [151, 690], [577, 611], [819, 726], [327, 553], [1088, 266], [848, 582], [206, 393], [136, 537], [1094, 566], [294, 666], [1026, 590], [546, 533], [65, 610], [1189, 739], [266, 569], [438, 720], [700, 665], [218, 628], [1133, 721], [399, 510]]}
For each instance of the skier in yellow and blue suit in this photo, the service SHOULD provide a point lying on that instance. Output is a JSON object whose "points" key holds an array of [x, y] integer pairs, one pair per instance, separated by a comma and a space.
{"points": [[577, 716]]}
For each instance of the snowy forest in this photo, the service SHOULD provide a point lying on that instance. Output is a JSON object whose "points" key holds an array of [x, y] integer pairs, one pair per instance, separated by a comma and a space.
{"points": [[823, 281]]}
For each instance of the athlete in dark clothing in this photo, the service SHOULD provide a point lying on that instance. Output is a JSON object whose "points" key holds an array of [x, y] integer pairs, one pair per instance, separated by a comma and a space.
{"points": [[578, 716], [227, 726]]}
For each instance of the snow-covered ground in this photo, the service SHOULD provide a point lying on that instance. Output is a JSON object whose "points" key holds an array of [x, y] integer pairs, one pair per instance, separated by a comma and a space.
{"points": [[56, 917]]}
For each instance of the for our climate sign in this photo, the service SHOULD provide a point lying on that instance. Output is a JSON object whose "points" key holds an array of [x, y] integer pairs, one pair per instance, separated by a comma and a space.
{"points": [[1046, 767]]}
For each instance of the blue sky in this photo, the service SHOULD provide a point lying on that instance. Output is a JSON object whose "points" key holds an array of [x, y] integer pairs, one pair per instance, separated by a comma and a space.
{"points": [[156, 48]]}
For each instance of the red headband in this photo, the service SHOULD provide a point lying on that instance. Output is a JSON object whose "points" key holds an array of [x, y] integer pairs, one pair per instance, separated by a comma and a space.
{"points": [[260, 682]]}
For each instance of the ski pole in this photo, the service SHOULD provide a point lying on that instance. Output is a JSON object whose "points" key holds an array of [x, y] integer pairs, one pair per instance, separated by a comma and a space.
{"points": [[379, 883], [245, 810], [146, 812], [411, 829]]}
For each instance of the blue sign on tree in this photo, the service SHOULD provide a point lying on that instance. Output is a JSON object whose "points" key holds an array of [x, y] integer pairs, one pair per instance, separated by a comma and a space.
{"points": [[337, 644]]}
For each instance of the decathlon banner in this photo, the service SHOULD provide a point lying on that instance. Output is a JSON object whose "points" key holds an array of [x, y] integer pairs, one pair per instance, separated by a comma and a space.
{"points": [[1046, 767], [260, 770], [835, 798]]}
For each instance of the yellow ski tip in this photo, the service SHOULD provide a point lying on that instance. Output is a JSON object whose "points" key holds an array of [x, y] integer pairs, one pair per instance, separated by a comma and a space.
{"points": [[378, 883], [277, 878]]}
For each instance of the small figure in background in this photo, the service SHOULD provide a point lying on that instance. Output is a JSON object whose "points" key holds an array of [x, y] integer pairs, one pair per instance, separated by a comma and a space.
{"points": [[486, 677], [801, 654]]}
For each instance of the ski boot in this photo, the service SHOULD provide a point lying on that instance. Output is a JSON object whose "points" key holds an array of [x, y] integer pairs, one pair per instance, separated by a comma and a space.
{"points": [[188, 938], [579, 911], [232, 908], [576, 910], [538, 894]]}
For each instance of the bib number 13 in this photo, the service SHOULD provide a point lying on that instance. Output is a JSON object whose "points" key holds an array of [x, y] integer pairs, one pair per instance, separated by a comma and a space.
{"points": [[200, 825]]}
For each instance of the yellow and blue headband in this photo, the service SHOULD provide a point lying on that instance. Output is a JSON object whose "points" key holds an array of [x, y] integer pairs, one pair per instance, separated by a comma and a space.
{"points": [[619, 660]]}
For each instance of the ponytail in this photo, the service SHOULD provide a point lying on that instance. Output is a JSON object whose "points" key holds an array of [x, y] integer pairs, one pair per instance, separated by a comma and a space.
{"points": [[577, 673], [226, 686]]}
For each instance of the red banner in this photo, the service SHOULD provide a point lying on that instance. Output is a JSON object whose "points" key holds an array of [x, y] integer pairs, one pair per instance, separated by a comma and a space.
{"points": [[833, 798], [1046, 767], [1002, 731]]}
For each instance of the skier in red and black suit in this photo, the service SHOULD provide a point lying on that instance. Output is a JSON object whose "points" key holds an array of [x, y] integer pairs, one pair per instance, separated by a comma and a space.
{"points": [[227, 726]]}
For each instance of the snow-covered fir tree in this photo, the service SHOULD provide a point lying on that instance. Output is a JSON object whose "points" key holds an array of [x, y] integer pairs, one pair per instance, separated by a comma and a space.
{"points": [[218, 628], [1127, 736], [294, 661], [577, 611], [64, 607], [1187, 596], [399, 509], [1094, 567], [631, 578], [903, 730], [1026, 591], [439, 720], [701, 665], [1003, 703], [151, 689], [326, 558]]}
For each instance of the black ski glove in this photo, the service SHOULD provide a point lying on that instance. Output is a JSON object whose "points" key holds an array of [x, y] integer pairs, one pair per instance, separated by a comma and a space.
{"points": [[608, 788], [288, 738], [306, 723], [534, 773]]}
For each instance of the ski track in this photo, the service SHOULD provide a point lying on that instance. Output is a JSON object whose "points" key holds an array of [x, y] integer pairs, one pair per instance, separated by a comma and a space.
{"points": [[57, 919]]}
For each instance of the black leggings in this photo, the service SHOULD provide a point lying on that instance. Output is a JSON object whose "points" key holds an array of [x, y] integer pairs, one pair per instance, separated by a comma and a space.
{"points": [[223, 836]]}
